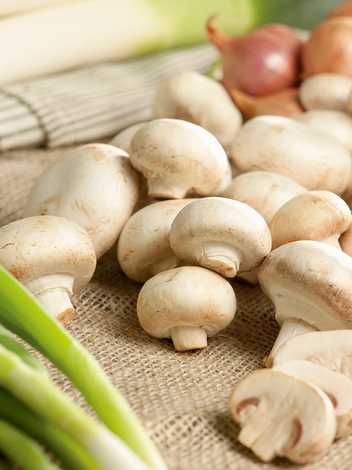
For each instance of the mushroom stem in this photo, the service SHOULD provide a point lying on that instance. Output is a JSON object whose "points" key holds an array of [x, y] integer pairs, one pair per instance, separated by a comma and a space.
{"points": [[54, 292], [289, 328], [215, 258], [188, 337], [220, 262]]}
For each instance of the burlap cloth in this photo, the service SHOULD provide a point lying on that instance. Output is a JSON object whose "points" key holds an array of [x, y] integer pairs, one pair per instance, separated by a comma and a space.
{"points": [[181, 398]]}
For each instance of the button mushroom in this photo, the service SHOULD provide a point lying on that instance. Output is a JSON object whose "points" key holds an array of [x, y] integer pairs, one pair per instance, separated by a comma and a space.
{"points": [[52, 256], [143, 247], [294, 149], [282, 416], [178, 158], [331, 349], [336, 123], [335, 385], [194, 97], [325, 91], [122, 139], [314, 215], [221, 234], [94, 185], [309, 283], [186, 304], [265, 191]]}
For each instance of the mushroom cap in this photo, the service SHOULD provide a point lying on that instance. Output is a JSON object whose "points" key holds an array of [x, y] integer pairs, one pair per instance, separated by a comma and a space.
{"points": [[143, 247], [265, 191], [294, 149], [194, 97], [337, 386], [187, 296], [222, 234], [346, 241], [281, 415], [325, 91], [94, 185], [41, 245], [122, 139], [178, 158], [334, 122], [331, 349], [313, 215], [310, 281]]}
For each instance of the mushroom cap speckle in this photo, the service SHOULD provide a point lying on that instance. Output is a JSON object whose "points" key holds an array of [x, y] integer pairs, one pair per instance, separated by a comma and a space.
{"points": [[94, 185], [313, 215], [178, 158], [222, 234], [41, 245], [311, 281], [187, 296]]}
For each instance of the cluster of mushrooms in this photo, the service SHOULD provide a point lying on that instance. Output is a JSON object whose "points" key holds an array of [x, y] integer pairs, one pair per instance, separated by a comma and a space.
{"points": [[194, 198]]}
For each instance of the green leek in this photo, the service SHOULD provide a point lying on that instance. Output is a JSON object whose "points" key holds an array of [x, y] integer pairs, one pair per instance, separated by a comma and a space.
{"points": [[61, 445], [22, 314], [26, 453], [131, 28]]}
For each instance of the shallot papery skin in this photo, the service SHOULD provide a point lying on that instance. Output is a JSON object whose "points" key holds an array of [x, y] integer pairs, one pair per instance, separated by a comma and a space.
{"points": [[329, 48], [263, 61], [281, 103]]}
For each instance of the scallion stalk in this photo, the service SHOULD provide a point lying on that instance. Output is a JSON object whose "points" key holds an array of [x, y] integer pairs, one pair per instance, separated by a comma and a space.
{"points": [[22, 314], [48, 401], [61, 445], [8, 340], [22, 450]]}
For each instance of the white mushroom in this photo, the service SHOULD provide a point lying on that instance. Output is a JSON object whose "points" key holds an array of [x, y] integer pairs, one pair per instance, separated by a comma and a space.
{"points": [[94, 185], [194, 97], [52, 256], [335, 385], [282, 416], [313, 215], [294, 149], [186, 304], [331, 349], [143, 247], [265, 191], [221, 234], [178, 158], [325, 91], [333, 122], [123, 138], [309, 283]]}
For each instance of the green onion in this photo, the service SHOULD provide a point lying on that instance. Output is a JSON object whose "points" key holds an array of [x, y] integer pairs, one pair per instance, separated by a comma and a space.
{"points": [[8, 340], [22, 314], [65, 449], [22, 450], [45, 399]]}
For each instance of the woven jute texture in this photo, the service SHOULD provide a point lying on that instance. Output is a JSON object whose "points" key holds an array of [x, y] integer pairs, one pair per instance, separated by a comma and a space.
{"points": [[181, 398]]}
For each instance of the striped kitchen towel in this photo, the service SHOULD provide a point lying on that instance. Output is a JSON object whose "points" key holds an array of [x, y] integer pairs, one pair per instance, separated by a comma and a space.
{"points": [[92, 102]]}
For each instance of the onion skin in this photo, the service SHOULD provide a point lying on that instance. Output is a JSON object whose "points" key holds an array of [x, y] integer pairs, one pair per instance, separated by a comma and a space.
{"points": [[342, 10], [329, 48], [263, 61], [282, 103]]}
